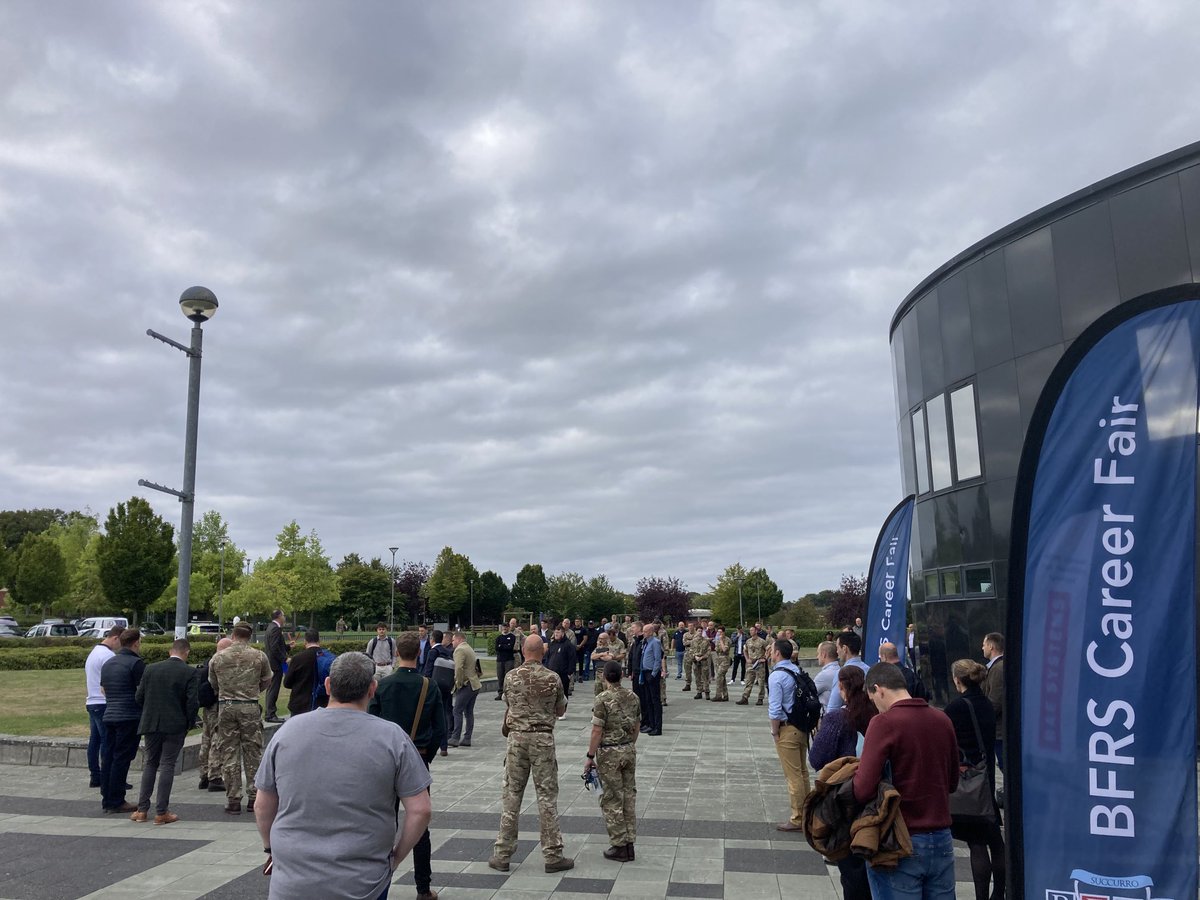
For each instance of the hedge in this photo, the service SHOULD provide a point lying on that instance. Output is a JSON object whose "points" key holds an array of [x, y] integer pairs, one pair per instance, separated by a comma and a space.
{"points": [[74, 657]]}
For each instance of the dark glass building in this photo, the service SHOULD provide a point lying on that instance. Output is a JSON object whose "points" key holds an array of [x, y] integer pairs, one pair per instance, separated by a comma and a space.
{"points": [[972, 347]]}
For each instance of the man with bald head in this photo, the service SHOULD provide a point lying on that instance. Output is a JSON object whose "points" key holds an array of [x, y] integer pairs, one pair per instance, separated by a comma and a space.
{"points": [[889, 654], [535, 699], [210, 768]]}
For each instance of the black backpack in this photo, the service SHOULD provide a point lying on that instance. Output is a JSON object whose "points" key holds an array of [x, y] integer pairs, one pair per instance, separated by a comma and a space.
{"points": [[806, 702]]}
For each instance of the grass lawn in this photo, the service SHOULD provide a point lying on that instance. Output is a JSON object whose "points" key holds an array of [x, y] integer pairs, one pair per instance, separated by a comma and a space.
{"points": [[50, 702]]}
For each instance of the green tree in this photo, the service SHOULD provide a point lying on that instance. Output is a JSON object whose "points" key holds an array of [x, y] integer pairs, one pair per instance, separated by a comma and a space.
{"points": [[601, 599], [530, 589], [16, 523], [41, 573], [665, 598], [75, 535], [448, 590], [366, 587], [207, 538], [758, 592], [135, 555], [491, 598], [566, 594], [85, 594]]}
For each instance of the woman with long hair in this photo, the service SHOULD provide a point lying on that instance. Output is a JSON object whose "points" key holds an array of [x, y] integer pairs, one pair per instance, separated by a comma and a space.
{"points": [[985, 840]]}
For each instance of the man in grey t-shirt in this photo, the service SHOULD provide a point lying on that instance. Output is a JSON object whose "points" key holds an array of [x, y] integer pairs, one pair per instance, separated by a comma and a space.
{"points": [[340, 759]]}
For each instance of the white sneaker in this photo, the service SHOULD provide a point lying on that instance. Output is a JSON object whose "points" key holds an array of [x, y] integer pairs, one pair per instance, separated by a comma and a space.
{"points": [[743, 681]]}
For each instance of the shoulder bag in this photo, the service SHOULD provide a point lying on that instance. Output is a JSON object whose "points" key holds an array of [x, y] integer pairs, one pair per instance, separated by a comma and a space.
{"points": [[972, 801]]}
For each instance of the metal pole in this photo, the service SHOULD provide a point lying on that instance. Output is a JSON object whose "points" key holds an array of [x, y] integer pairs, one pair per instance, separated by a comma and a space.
{"points": [[472, 607], [221, 591], [188, 500], [741, 610], [758, 593], [392, 612]]}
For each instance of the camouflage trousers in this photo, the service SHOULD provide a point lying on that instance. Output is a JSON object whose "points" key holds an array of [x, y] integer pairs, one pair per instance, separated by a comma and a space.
{"points": [[530, 754], [722, 678], [687, 670], [208, 739], [616, 767], [756, 675], [701, 674], [239, 745]]}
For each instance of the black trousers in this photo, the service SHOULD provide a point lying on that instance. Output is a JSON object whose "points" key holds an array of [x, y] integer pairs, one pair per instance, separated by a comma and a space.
{"points": [[652, 700], [503, 667], [121, 744], [423, 849], [738, 661], [273, 690]]}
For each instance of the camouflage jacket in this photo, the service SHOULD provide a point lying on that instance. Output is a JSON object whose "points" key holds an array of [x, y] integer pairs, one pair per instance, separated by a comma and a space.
{"points": [[756, 649], [700, 646], [534, 694], [239, 672], [618, 713]]}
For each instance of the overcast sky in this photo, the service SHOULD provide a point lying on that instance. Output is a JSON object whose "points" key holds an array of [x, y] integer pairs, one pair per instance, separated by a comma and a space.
{"points": [[603, 286]]}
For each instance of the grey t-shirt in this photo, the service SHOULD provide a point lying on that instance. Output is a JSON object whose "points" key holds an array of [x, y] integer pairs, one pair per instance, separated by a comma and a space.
{"points": [[338, 774]]}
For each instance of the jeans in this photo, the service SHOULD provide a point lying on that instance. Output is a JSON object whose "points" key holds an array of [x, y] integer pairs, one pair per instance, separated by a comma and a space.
{"points": [[464, 713], [926, 875], [97, 738], [162, 751], [121, 743], [679, 663]]}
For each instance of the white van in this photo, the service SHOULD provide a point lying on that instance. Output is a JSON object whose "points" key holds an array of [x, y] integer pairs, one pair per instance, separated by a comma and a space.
{"points": [[103, 623]]}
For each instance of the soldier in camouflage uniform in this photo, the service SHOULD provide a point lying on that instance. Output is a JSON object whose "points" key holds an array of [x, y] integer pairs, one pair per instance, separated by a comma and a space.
{"points": [[239, 675], [700, 651], [210, 768], [722, 656], [535, 700], [616, 723], [756, 669], [687, 657], [607, 649]]}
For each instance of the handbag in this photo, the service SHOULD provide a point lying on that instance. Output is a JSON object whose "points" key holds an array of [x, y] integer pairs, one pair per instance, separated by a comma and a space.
{"points": [[973, 801]]}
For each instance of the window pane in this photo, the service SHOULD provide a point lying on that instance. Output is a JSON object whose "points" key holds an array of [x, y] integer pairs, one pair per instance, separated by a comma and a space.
{"points": [[931, 585], [966, 433], [979, 580], [920, 457], [951, 586], [939, 442]]}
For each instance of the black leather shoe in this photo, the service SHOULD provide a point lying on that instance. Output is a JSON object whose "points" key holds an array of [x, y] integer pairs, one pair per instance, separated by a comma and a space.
{"points": [[617, 854]]}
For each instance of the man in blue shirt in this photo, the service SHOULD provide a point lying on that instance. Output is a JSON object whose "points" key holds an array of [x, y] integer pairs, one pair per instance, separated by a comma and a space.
{"points": [[677, 638], [849, 648], [791, 744], [653, 666], [827, 679]]}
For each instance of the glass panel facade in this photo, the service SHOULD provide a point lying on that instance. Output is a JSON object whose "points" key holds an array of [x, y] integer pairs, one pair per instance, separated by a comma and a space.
{"points": [[979, 580], [932, 588], [951, 583], [966, 434], [920, 455], [939, 443]]}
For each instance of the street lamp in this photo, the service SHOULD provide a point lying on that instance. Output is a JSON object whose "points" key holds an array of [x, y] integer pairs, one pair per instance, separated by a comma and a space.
{"points": [[472, 606], [198, 304], [758, 593], [392, 613], [741, 614], [221, 590]]}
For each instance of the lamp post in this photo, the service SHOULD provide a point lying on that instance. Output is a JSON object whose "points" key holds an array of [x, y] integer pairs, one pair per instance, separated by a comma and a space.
{"points": [[472, 607], [741, 613], [758, 593], [198, 305], [221, 589], [392, 613]]}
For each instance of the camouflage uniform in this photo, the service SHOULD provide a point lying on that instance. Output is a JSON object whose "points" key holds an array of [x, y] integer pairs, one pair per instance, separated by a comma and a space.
{"points": [[687, 659], [616, 653], [619, 715], [209, 767], [533, 693], [238, 674], [756, 669], [700, 651], [722, 655]]}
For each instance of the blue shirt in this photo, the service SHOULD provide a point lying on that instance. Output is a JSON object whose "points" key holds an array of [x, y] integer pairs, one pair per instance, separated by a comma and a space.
{"points": [[652, 655], [781, 690], [835, 697]]}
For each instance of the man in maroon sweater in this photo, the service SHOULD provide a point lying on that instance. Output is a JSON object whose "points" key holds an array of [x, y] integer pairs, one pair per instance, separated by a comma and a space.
{"points": [[919, 743]]}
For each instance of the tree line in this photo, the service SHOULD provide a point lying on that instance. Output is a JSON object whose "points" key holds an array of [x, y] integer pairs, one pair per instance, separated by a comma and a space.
{"points": [[64, 563]]}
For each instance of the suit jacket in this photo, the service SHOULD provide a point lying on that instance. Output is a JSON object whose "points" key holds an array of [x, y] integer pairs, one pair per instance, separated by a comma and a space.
{"points": [[464, 668], [169, 695], [396, 700], [993, 689], [277, 653]]}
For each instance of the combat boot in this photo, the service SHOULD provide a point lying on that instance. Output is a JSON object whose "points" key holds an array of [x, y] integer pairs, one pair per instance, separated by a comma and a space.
{"points": [[500, 865], [743, 702], [203, 783], [759, 703], [698, 696], [215, 785], [234, 807], [706, 697], [617, 854], [561, 864], [629, 852]]}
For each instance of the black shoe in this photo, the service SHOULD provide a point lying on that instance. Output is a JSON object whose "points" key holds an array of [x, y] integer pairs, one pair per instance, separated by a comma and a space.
{"points": [[250, 805], [645, 729], [629, 851], [464, 743], [274, 720], [655, 733], [129, 787], [216, 784], [203, 786], [617, 854], [95, 782], [497, 697]]}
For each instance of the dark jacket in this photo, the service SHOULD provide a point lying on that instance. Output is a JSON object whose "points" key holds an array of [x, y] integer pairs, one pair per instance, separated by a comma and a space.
{"points": [[119, 678], [396, 700], [958, 711], [439, 651], [633, 657], [277, 652], [302, 669], [836, 825], [560, 657], [169, 696], [993, 689]]}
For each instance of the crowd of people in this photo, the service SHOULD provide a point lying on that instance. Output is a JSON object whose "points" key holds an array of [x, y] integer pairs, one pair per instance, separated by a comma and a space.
{"points": [[877, 746]]}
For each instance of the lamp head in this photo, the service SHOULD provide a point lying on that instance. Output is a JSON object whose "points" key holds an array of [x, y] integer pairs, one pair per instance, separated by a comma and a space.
{"points": [[198, 304]]}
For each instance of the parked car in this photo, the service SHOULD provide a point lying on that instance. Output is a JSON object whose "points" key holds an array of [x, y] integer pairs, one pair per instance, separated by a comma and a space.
{"points": [[7, 631], [97, 633], [9, 621], [104, 623], [204, 628], [152, 628], [53, 629]]}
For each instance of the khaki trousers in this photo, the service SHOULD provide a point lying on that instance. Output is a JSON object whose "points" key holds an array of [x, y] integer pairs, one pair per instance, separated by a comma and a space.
{"points": [[792, 750]]}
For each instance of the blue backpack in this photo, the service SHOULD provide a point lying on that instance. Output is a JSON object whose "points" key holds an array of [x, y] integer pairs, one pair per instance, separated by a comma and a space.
{"points": [[325, 660]]}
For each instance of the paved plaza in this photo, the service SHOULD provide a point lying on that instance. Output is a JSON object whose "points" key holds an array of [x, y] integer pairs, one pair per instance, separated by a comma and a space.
{"points": [[710, 792]]}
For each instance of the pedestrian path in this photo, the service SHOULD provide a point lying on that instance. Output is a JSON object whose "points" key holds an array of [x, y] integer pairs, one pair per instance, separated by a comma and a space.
{"points": [[710, 792]]}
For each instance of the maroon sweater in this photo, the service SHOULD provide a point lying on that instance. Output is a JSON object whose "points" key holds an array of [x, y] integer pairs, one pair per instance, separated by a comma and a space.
{"points": [[920, 744]]}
